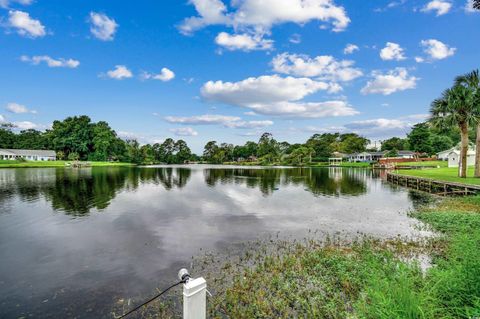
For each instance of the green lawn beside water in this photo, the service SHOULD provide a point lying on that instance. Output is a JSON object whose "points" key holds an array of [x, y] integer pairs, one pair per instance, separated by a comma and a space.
{"points": [[20, 164]]}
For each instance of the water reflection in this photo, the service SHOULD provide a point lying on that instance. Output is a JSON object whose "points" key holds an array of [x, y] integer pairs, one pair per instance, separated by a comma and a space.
{"points": [[135, 227], [77, 191]]}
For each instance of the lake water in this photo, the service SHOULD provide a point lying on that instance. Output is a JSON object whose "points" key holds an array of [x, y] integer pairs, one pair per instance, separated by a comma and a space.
{"points": [[73, 241]]}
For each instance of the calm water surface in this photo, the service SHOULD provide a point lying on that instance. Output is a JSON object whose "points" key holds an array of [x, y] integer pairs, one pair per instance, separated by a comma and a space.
{"points": [[73, 241]]}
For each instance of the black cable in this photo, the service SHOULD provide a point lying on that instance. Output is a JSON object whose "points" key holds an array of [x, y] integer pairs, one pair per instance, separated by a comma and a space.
{"points": [[150, 300]]}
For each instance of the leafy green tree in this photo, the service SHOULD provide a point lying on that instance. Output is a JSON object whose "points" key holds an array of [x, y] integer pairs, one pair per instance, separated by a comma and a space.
{"points": [[209, 151], [352, 143], [183, 152], [323, 144], [472, 82], [455, 107], [392, 153], [60, 155], [441, 143], [133, 151], [300, 156], [267, 145], [7, 137], [147, 154], [73, 156], [168, 147], [31, 140], [394, 143], [74, 134], [419, 139], [104, 139]]}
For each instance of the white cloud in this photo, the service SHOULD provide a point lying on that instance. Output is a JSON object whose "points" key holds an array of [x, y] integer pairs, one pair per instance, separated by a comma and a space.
{"points": [[18, 108], [419, 59], [441, 7], [392, 51], [25, 25], [275, 95], [437, 50], [390, 82], [324, 67], [207, 119], [2, 119], [6, 3], [260, 16], [244, 42], [382, 127], [295, 38], [165, 75], [102, 27], [350, 48], [51, 62], [213, 119], [25, 125], [184, 131], [119, 73]]}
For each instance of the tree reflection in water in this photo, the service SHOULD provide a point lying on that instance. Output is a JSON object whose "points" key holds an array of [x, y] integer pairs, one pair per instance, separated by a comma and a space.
{"points": [[77, 191]]}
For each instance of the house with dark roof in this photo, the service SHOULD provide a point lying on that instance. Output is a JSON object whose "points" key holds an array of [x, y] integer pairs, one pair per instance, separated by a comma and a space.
{"points": [[29, 155]]}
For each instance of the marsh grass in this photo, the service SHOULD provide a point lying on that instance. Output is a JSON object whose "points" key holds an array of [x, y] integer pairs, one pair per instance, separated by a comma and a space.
{"points": [[364, 278]]}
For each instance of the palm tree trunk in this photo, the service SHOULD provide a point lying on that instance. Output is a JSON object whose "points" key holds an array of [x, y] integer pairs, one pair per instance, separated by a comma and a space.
{"points": [[477, 154], [462, 167]]}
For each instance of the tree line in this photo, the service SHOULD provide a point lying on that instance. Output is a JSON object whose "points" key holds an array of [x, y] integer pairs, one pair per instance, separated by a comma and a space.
{"points": [[78, 138]]}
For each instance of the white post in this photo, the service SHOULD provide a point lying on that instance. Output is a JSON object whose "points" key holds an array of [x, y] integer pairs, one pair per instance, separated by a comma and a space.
{"points": [[195, 299]]}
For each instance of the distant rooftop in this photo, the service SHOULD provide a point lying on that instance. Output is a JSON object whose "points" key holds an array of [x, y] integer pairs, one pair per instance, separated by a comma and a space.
{"points": [[46, 153]]}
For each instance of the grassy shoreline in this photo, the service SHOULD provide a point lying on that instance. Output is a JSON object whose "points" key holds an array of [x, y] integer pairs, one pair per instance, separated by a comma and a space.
{"points": [[367, 278], [443, 174], [40, 164]]}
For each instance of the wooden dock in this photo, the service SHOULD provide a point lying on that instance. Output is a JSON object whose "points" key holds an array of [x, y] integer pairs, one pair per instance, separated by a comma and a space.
{"points": [[441, 188]]}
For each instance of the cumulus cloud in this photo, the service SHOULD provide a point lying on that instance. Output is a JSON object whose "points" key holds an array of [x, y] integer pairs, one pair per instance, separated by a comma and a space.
{"points": [[165, 75], [323, 67], [260, 16], [25, 25], [18, 108], [102, 27], [6, 3], [184, 131], [439, 6], [119, 73], [275, 95], [2, 119], [51, 62], [244, 42], [25, 125], [382, 127], [393, 81], [392, 51], [350, 48], [215, 119], [436, 50]]}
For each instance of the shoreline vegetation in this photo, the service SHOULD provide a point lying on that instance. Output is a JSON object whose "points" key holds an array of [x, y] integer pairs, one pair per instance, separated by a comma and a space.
{"points": [[365, 278], [40, 164]]}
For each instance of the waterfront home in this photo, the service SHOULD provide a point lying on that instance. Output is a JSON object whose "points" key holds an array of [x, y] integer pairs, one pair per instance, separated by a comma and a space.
{"points": [[443, 155], [29, 155], [454, 158], [375, 156]]}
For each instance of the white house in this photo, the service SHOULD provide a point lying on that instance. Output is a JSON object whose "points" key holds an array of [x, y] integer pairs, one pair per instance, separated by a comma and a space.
{"points": [[443, 155], [454, 158], [375, 156], [29, 155]]}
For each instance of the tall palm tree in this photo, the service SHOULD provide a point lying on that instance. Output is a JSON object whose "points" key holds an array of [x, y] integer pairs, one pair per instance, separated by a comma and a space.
{"points": [[472, 82], [455, 108]]}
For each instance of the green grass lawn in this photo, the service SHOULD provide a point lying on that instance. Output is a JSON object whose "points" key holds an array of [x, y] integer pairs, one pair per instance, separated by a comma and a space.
{"points": [[427, 163], [19, 164], [443, 174]]}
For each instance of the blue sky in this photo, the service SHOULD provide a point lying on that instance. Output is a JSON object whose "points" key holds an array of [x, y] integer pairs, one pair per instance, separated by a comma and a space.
{"points": [[229, 70]]}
